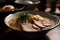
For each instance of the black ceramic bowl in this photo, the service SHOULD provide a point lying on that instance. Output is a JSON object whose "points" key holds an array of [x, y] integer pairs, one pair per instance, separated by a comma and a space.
{"points": [[17, 7], [34, 34]]}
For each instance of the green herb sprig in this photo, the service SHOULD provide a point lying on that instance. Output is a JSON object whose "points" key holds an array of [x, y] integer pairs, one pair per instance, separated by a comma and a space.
{"points": [[23, 16]]}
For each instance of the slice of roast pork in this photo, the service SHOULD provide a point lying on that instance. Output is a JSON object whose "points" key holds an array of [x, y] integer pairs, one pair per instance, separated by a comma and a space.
{"points": [[28, 27], [47, 22], [39, 24]]}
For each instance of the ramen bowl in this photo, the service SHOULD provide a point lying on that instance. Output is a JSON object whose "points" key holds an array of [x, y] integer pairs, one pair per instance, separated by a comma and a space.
{"points": [[33, 34]]}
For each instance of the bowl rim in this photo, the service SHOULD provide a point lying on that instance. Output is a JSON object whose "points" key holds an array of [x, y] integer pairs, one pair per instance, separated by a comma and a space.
{"points": [[24, 2]]}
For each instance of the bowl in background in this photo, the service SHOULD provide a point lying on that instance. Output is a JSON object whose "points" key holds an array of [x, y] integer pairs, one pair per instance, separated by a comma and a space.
{"points": [[17, 7], [29, 4]]}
